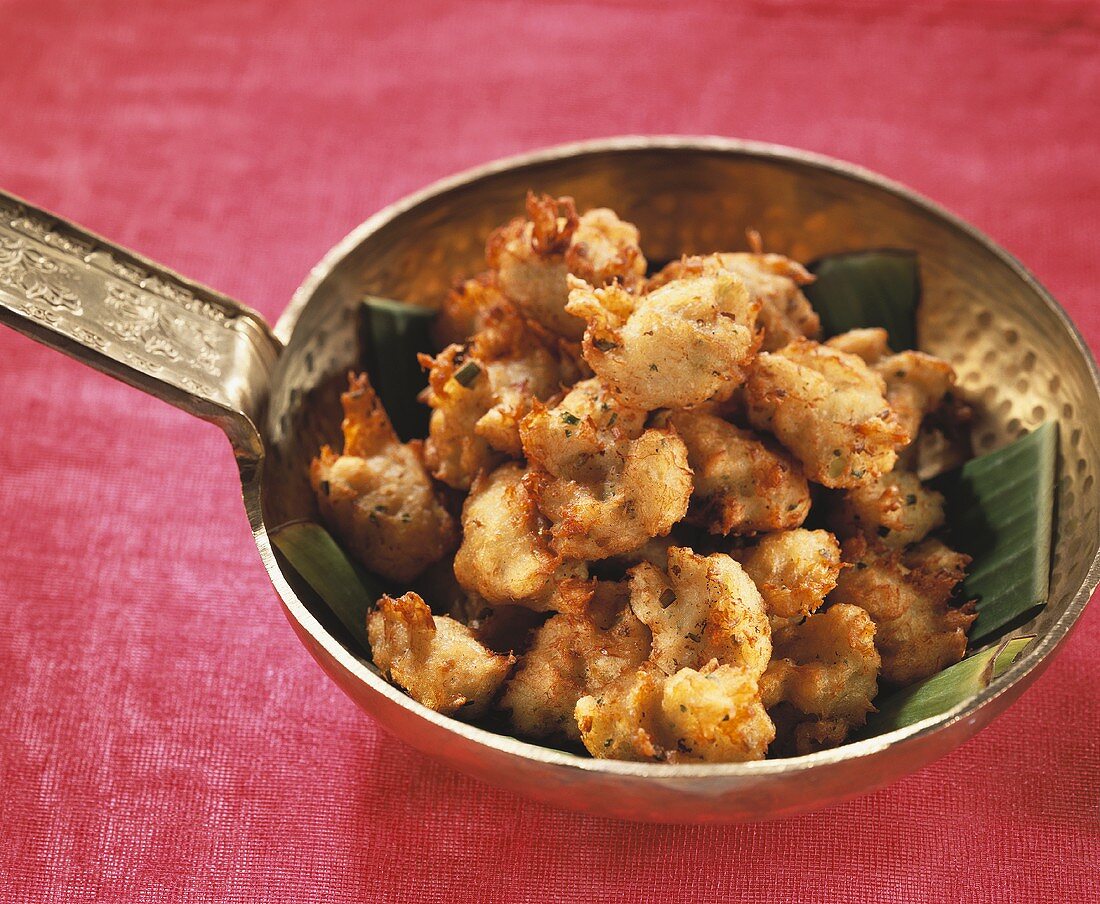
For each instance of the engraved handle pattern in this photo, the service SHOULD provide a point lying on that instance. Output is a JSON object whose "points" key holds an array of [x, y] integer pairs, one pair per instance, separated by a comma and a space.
{"points": [[136, 321]]}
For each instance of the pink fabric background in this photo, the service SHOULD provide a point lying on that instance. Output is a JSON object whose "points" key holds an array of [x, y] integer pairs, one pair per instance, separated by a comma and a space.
{"points": [[163, 736]]}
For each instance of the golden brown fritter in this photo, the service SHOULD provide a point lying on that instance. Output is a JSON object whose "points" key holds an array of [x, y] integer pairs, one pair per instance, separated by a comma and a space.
{"points": [[908, 594], [826, 668], [827, 407], [683, 344], [435, 658], [533, 258], [871, 343], [465, 310], [603, 421], [794, 570], [697, 697], [505, 554], [742, 483], [574, 654], [712, 714], [775, 280], [479, 391], [376, 495], [701, 608], [605, 484], [796, 736], [897, 508], [916, 382], [502, 628]]}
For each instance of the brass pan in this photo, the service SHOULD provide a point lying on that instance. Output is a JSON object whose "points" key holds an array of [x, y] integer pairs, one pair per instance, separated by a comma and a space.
{"points": [[1019, 359]]}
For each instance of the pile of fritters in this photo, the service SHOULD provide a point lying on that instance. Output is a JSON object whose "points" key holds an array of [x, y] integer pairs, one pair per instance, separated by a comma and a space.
{"points": [[605, 528]]}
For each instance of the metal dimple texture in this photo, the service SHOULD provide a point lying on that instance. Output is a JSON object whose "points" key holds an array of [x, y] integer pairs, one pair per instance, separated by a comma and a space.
{"points": [[1015, 369], [1016, 359]]}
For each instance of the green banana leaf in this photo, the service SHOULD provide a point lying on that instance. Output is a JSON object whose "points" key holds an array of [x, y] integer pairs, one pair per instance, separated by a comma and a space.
{"points": [[345, 588], [999, 506], [868, 288], [391, 334], [944, 690], [1000, 510]]}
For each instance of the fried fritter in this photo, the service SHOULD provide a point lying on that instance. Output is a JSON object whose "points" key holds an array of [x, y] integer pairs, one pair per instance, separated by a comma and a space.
{"points": [[676, 347], [604, 426], [712, 714], [574, 654], [908, 594], [916, 382], [505, 554], [797, 734], [606, 484], [896, 507], [502, 628], [465, 310], [794, 570], [533, 257], [827, 407], [479, 391], [785, 313], [871, 343], [376, 495], [826, 668], [435, 658], [742, 483], [702, 608]]}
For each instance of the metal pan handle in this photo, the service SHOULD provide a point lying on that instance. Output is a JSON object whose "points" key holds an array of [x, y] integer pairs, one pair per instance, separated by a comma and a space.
{"points": [[137, 321]]}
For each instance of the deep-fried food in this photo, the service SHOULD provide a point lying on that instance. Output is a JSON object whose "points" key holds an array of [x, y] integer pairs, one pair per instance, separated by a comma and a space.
{"points": [[533, 258], [606, 484], [654, 551], [676, 347], [479, 391], [634, 461], [870, 343], [710, 714], [908, 594], [794, 570], [785, 313], [376, 494], [742, 483], [505, 555], [826, 668], [897, 508], [701, 608], [436, 659], [828, 408], [916, 382], [465, 310], [574, 654], [697, 697]]}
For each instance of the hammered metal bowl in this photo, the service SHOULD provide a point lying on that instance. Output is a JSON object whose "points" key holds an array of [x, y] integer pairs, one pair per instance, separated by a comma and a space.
{"points": [[1020, 362]]}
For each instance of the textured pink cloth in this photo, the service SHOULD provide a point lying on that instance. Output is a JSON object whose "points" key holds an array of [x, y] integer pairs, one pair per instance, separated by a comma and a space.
{"points": [[163, 736]]}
